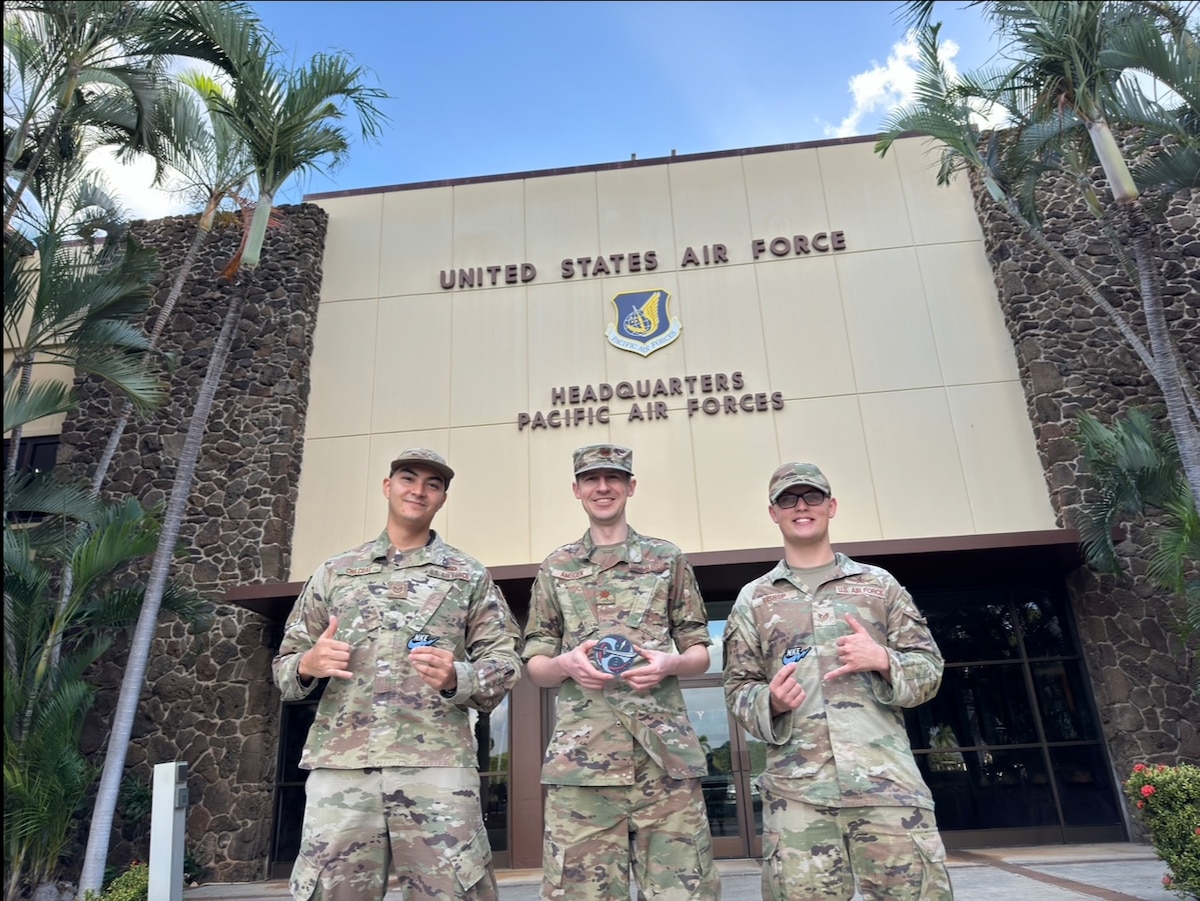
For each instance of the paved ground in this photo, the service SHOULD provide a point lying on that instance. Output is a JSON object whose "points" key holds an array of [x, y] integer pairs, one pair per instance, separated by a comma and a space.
{"points": [[1110, 872]]}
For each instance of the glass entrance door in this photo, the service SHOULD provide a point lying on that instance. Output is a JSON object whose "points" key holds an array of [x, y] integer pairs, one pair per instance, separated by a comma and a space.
{"points": [[735, 759]]}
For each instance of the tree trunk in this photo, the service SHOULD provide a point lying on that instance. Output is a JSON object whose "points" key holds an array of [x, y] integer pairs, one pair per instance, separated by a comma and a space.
{"points": [[48, 136], [132, 683], [14, 447], [168, 307], [114, 439], [1166, 371]]}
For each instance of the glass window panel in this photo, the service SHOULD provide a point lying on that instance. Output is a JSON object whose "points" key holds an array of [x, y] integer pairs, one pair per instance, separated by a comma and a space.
{"points": [[706, 709], [716, 653], [491, 738], [993, 790], [289, 820], [1066, 714], [976, 705], [1042, 618], [970, 625], [1087, 794], [293, 732], [493, 795]]}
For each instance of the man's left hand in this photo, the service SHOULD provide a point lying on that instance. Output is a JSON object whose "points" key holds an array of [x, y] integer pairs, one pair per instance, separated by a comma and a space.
{"points": [[658, 665], [435, 666], [858, 652]]}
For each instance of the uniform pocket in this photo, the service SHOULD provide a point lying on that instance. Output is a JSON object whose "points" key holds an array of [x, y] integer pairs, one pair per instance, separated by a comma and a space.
{"points": [[472, 860], [773, 883], [931, 852], [305, 876]]}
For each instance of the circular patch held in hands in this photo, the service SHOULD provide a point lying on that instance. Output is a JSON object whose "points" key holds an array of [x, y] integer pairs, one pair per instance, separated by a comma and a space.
{"points": [[613, 654]]}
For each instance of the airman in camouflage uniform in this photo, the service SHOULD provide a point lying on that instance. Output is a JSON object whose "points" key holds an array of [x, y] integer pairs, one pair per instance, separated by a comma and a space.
{"points": [[821, 655], [411, 633], [623, 766]]}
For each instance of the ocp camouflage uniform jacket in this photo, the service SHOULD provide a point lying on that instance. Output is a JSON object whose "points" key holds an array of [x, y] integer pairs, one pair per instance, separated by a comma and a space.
{"points": [[644, 590], [845, 745], [386, 715]]}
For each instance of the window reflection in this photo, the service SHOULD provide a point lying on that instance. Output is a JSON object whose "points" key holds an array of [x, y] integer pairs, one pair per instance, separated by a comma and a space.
{"points": [[976, 705], [1041, 624], [1065, 713], [996, 695], [994, 789], [1082, 778], [970, 625]]}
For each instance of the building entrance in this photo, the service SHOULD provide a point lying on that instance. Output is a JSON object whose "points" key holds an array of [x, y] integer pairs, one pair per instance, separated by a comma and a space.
{"points": [[735, 759]]}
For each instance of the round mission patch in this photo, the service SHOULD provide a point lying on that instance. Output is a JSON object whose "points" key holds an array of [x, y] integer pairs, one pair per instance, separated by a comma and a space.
{"points": [[613, 654]]}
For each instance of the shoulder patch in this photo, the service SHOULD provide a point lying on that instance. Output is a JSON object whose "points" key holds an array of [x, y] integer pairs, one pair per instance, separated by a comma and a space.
{"points": [[870, 590]]}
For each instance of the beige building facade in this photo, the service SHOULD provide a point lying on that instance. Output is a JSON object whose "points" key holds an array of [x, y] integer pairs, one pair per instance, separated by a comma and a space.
{"points": [[821, 304], [718, 313]]}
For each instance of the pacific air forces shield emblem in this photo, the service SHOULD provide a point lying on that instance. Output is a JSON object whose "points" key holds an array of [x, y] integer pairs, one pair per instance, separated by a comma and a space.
{"points": [[643, 323]]}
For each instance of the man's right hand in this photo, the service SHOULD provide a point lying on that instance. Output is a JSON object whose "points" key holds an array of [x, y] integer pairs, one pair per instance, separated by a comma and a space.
{"points": [[577, 664], [328, 657], [786, 693]]}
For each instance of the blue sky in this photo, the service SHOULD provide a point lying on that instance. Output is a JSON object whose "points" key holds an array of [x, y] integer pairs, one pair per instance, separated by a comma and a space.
{"points": [[493, 87]]}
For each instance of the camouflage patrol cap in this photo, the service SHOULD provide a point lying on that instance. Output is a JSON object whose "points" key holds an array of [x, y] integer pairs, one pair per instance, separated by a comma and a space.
{"points": [[790, 475], [603, 456], [425, 457]]}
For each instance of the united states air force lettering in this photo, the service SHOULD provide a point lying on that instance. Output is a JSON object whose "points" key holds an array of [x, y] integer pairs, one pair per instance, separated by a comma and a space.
{"points": [[497, 275], [644, 400]]}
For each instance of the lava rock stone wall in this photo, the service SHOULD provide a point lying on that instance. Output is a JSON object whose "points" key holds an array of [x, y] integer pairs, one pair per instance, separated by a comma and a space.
{"points": [[1071, 360], [209, 700]]}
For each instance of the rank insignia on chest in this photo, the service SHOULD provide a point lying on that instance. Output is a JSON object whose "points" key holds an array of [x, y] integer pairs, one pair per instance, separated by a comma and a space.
{"points": [[422, 640], [795, 654], [397, 590]]}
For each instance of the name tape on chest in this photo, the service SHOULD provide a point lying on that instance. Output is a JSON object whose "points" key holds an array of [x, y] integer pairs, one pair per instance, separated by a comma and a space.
{"points": [[772, 597], [572, 575], [366, 570]]}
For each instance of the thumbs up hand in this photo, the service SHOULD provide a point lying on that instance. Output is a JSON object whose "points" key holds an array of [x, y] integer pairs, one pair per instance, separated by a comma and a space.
{"points": [[328, 657]]}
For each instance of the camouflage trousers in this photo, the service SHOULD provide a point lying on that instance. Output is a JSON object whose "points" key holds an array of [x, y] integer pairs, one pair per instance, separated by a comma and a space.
{"points": [[895, 853], [657, 826], [425, 821]]}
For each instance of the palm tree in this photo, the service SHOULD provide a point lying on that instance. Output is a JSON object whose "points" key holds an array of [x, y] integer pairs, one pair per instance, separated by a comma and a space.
{"points": [[46, 775], [1063, 93], [72, 310], [214, 165], [1136, 473], [291, 123], [95, 64]]}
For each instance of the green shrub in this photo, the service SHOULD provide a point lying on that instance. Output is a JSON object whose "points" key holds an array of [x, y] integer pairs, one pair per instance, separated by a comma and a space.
{"points": [[132, 885], [1168, 800]]}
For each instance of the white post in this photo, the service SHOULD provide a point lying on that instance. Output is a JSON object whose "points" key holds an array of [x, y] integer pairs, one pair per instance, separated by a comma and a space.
{"points": [[167, 825]]}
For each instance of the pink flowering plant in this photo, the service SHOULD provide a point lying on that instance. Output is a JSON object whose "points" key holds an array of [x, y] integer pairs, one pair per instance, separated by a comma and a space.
{"points": [[1167, 799]]}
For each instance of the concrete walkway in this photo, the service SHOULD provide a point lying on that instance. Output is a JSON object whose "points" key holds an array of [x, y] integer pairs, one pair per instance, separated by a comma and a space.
{"points": [[1110, 872]]}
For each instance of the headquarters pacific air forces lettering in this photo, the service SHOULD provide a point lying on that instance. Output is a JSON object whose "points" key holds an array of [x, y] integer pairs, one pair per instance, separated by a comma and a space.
{"points": [[643, 324]]}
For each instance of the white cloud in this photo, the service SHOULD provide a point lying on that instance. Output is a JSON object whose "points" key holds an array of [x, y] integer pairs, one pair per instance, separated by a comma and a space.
{"points": [[133, 184], [882, 89]]}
